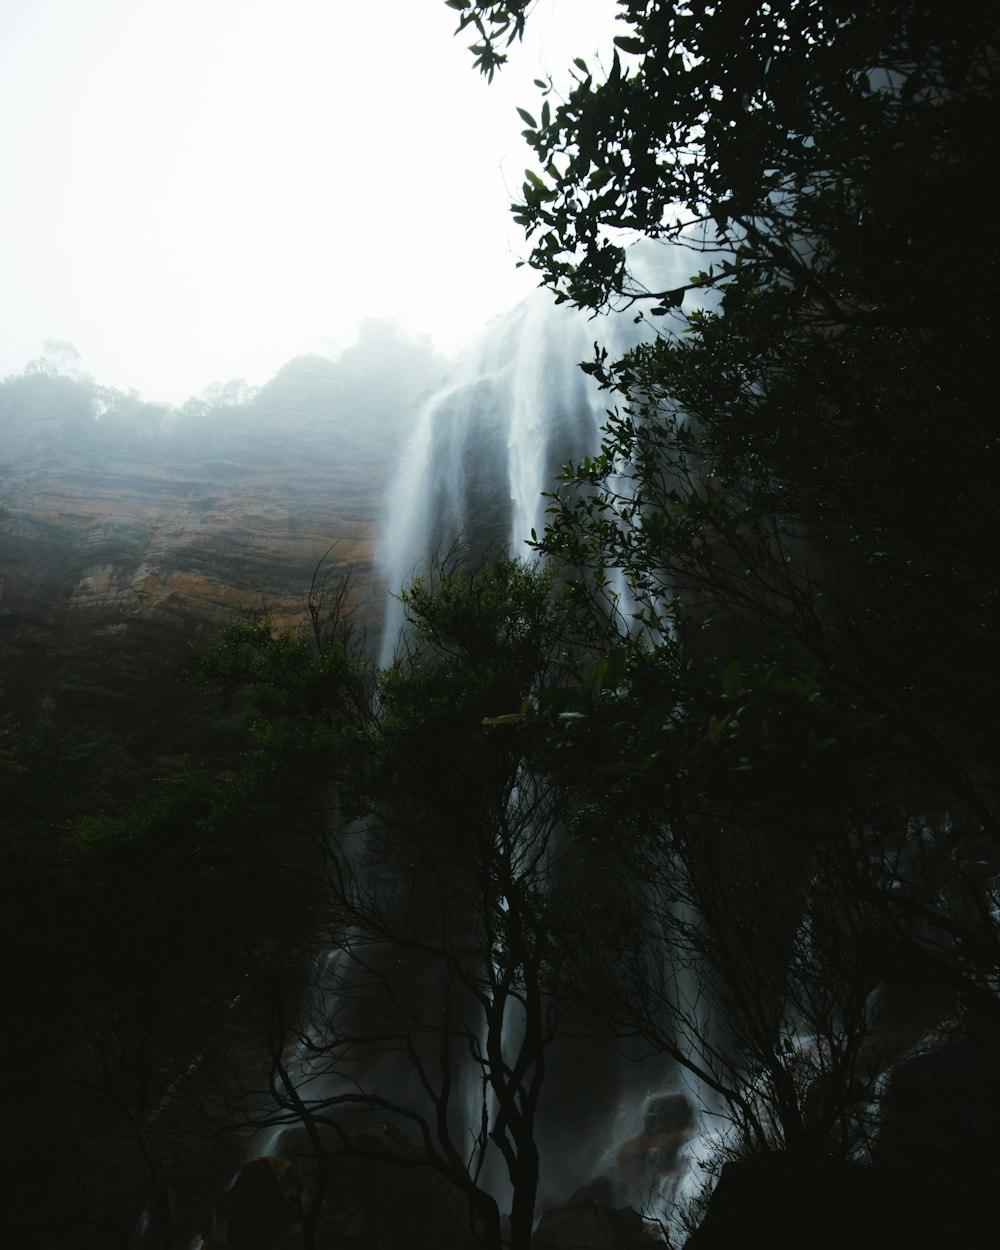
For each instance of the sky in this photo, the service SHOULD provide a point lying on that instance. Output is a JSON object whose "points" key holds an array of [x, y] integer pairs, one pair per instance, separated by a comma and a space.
{"points": [[198, 190]]}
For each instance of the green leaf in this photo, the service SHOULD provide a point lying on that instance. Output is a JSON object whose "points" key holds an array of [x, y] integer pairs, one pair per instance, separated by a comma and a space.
{"points": [[595, 675], [629, 44], [732, 680], [617, 667], [654, 720], [526, 117], [715, 729]]}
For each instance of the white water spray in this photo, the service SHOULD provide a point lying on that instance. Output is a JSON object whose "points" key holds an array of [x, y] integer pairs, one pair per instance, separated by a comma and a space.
{"points": [[489, 443]]}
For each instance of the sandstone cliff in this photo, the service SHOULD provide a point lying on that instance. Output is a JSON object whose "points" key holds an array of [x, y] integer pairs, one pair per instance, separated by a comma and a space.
{"points": [[127, 529]]}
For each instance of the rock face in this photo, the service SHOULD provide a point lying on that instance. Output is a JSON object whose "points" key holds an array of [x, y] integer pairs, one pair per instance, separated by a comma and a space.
{"points": [[200, 511], [133, 529], [375, 1197], [938, 1124], [654, 1153], [128, 531], [378, 1197], [767, 1203], [590, 1228], [261, 1207]]}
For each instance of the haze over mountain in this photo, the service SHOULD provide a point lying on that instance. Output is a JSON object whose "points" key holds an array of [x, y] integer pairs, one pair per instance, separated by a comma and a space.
{"points": [[643, 893], [198, 192], [122, 516]]}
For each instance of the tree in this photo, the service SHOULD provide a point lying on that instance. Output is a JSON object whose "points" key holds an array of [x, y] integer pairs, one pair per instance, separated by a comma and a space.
{"points": [[475, 817], [780, 464], [442, 877], [235, 393], [799, 483], [715, 122]]}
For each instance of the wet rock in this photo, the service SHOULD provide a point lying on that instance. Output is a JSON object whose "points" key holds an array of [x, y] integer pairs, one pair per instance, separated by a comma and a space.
{"points": [[599, 1192], [668, 1113], [590, 1221], [938, 1121], [378, 1196], [259, 1209], [590, 1228], [767, 1203], [381, 1198], [386, 1140], [655, 1151]]}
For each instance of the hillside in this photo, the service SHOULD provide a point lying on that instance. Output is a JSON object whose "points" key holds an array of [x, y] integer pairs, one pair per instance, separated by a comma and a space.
{"points": [[128, 532]]}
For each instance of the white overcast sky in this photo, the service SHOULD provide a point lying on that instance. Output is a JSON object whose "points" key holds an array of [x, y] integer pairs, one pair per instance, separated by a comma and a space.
{"points": [[196, 190]]}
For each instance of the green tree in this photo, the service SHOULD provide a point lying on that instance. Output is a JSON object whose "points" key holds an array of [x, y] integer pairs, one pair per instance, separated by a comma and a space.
{"points": [[716, 122], [799, 482], [441, 871]]}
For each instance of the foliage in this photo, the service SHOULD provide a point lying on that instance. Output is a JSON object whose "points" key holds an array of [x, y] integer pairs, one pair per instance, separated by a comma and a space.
{"points": [[798, 483], [496, 22], [480, 642], [443, 881], [775, 483], [462, 834], [715, 122], [753, 821], [306, 699]]}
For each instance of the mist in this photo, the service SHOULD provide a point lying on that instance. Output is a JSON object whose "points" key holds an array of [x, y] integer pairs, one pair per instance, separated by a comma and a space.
{"points": [[197, 193]]}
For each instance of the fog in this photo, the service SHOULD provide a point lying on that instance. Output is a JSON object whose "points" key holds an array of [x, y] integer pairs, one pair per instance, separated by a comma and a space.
{"points": [[195, 192]]}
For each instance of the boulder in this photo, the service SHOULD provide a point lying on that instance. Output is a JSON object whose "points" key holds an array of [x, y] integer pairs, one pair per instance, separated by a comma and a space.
{"points": [[590, 1228], [655, 1152], [937, 1122], [590, 1221], [768, 1203], [263, 1204], [599, 1192], [377, 1196]]}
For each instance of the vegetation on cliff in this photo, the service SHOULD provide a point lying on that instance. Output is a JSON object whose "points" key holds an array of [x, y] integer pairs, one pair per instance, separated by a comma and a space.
{"points": [[720, 776], [128, 532], [783, 733], [798, 484]]}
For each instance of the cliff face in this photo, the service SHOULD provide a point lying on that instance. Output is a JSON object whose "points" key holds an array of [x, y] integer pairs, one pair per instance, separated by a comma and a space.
{"points": [[174, 535], [127, 530]]}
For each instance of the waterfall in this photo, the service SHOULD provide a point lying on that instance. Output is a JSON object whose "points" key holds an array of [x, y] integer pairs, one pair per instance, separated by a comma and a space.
{"points": [[515, 410], [481, 454], [488, 444]]}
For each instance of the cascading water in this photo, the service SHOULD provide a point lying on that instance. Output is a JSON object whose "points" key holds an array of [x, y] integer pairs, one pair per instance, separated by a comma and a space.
{"points": [[484, 450], [489, 443]]}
